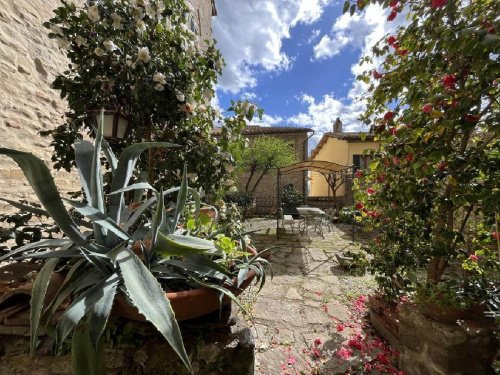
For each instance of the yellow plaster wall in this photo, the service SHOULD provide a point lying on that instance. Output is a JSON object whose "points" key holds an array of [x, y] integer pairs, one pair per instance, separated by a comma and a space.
{"points": [[337, 151]]}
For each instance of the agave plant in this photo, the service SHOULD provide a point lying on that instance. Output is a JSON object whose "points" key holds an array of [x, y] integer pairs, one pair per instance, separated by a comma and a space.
{"points": [[138, 252]]}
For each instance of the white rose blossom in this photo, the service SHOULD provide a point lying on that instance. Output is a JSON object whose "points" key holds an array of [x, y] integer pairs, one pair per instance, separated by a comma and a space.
{"points": [[63, 43], [151, 11], [140, 26], [93, 13], [110, 46], [136, 12], [160, 78], [117, 21], [180, 96], [159, 87], [99, 52], [81, 41], [143, 55]]}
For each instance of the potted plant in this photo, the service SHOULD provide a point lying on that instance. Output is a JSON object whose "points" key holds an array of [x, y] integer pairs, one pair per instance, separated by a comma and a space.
{"points": [[139, 58], [290, 199], [133, 255]]}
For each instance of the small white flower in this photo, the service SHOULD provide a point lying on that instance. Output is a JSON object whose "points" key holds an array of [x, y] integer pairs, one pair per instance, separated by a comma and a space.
{"points": [[168, 24], [192, 176], [160, 78], [136, 13], [215, 163], [93, 13], [132, 87], [81, 41], [151, 11], [229, 183], [99, 51], [128, 60], [245, 107], [207, 94], [56, 30], [143, 55], [159, 87], [117, 21], [180, 96], [202, 108], [140, 26], [247, 240], [63, 43], [110, 46]]}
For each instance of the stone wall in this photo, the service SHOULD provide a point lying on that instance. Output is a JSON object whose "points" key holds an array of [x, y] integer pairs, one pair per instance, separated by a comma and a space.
{"points": [[29, 61], [429, 347], [265, 193]]}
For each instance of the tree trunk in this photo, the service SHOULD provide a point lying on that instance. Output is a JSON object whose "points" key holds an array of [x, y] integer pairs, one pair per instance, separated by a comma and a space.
{"points": [[258, 180]]}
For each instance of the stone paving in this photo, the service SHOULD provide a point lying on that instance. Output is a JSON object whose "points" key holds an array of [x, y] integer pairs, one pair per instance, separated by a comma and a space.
{"points": [[306, 300]]}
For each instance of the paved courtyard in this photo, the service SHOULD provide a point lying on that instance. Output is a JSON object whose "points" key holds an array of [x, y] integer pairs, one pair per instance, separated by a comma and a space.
{"points": [[312, 309]]}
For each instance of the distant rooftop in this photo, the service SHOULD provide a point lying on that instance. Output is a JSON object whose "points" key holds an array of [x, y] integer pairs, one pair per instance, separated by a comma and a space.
{"points": [[256, 130]]}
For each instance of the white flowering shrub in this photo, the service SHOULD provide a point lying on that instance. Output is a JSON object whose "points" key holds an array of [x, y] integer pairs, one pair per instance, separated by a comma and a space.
{"points": [[140, 55]]}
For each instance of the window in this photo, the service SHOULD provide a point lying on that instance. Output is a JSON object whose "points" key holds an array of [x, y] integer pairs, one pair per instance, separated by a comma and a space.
{"points": [[360, 161]]}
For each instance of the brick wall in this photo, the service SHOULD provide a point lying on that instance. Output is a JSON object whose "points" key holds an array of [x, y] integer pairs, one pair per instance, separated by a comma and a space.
{"points": [[29, 61], [265, 193]]}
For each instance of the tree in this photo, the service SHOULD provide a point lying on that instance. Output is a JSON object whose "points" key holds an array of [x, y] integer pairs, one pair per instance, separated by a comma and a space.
{"points": [[139, 55], [264, 156], [432, 189], [335, 180]]}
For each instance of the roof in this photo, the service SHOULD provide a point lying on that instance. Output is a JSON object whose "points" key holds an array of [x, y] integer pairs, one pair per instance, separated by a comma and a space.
{"points": [[256, 130], [347, 136], [214, 8], [314, 166]]}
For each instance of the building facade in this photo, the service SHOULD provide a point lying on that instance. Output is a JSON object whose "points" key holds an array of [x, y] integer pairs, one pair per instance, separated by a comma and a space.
{"points": [[265, 194], [29, 62], [344, 148]]}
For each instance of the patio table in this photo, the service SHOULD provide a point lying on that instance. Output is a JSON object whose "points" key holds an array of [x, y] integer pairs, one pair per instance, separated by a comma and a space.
{"points": [[311, 218]]}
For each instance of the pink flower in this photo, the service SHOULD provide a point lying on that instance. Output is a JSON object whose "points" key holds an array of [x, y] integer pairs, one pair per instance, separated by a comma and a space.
{"points": [[381, 178], [291, 360], [373, 214], [318, 293], [316, 352], [368, 367], [473, 257], [409, 157], [340, 327], [370, 191], [402, 52], [494, 235], [392, 15], [355, 344], [391, 40], [449, 82], [394, 130], [317, 342], [359, 205], [438, 3], [389, 116], [395, 160], [344, 353], [394, 3], [358, 173], [382, 358], [427, 108], [471, 118], [377, 75]]}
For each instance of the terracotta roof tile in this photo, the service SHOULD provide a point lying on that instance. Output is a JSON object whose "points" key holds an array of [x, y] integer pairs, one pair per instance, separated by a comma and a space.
{"points": [[256, 129]]}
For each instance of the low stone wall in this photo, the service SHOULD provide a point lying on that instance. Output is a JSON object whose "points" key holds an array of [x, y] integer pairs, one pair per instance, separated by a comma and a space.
{"points": [[213, 350], [429, 347]]}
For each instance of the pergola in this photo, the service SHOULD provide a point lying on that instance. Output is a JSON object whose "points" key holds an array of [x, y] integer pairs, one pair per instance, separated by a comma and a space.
{"points": [[320, 166]]}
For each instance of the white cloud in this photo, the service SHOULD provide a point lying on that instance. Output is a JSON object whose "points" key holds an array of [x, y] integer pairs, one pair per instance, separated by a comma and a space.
{"points": [[250, 33], [314, 35], [268, 120]]}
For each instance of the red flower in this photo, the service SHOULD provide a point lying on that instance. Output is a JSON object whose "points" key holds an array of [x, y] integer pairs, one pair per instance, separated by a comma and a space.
{"points": [[427, 108], [291, 360], [381, 357], [358, 173], [381, 178], [389, 116], [377, 75], [393, 130], [394, 3], [438, 3], [402, 52], [359, 206], [355, 344], [317, 342], [368, 367], [370, 191], [392, 15], [316, 352], [391, 40], [409, 157], [471, 118], [344, 353], [473, 257], [373, 214], [449, 82], [395, 160], [454, 103], [491, 30], [340, 327], [442, 166], [495, 235]]}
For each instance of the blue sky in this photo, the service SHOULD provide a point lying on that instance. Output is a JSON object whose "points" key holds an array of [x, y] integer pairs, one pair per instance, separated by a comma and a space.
{"points": [[297, 59]]}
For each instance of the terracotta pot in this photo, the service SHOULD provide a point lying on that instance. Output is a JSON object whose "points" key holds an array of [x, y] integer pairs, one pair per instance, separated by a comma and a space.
{"points": [[208, 211], [187, 305]]}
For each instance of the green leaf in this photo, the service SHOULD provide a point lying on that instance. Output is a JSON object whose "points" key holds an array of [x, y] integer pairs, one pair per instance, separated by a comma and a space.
{"points": [[181, 199], [346, 6], [147, 295], [37, 298], [124, 169], [100, 314], [42, 182], [177, 245], [138, 186], [84, 152], [96, 184], [85, 359], [158, 219], [26, 207], [83, 304], [36, 245]]}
